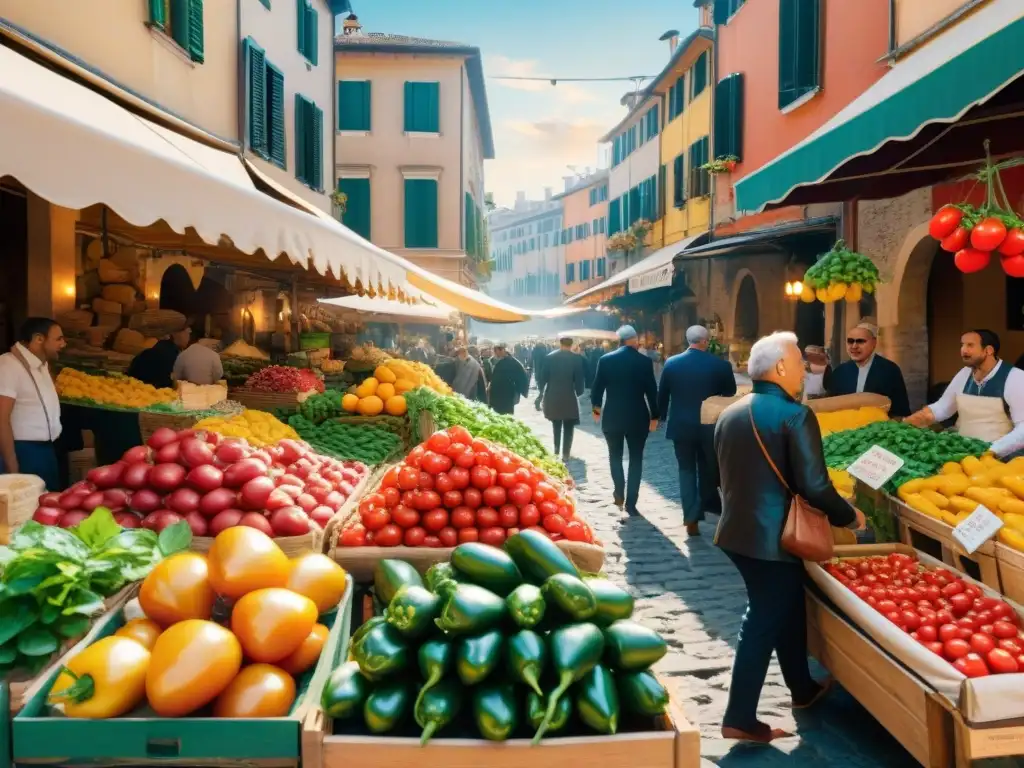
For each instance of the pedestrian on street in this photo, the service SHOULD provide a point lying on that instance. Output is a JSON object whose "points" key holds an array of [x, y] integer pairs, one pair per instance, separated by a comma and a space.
{"points": [[468, 376], [627, 377], [561, 384], [688, 380], [29, 406], [508, 380], [769, 448], [537, 355]]}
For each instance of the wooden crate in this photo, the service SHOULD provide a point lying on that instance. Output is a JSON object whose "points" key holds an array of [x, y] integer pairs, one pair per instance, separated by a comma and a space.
{"points": [[1011, 572], [256, 400], [675, 743], [936, 538]]}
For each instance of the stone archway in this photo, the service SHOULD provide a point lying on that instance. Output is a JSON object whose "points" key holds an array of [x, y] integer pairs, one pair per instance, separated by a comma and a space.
{"points": [[745, 314]]}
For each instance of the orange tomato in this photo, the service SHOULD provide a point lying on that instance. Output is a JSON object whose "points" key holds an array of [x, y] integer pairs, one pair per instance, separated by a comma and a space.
{"points": [[243, 559], [272, 623], [143, 631], [178, 588], [107, 679], [191, 665], [319, 578], [259, 690], [307, 654]]}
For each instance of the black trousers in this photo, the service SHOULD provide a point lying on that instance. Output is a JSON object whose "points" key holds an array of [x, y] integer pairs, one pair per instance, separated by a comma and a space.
{"points": [[563, 433], [627, 489], [775, 620]]}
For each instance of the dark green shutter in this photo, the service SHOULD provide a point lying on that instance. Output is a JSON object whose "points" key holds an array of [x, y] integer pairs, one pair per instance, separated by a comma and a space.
{"points": [[316, 138], [275, 115], [300, 25], [195, 30], [421, 213], [699, 78], [614, 216], [158, 14], [662, 190], [679, 181], [301, 142], [633, 205], [469, 226], [722, 11], [433, 108], [357, 207], [256, 96], [799, 49], [729, 116], [422, 107], [354, 105], [312, 35]]}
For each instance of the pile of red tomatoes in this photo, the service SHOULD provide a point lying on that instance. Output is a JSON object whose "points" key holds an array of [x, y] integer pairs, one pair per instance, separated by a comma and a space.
{"points": [[973, 237], [453, 489], [979, 635]]}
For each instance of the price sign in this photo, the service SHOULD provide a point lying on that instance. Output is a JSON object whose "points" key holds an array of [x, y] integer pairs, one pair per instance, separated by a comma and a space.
{"points": [[875, 466], [980, 526]]}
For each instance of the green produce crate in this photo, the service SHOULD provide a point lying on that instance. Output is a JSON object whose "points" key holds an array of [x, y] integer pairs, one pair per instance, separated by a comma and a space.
{"points": [[195, 741], [314, 341]]}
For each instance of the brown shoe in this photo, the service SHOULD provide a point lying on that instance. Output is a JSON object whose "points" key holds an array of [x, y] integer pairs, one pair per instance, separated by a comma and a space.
{"points": [[765, 736], [692, 529], [826, 686], [618, 502]]}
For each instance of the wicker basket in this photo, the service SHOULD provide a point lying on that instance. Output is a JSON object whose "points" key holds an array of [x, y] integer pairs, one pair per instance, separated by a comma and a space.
{"points": [[151, 421], [257, 400], [19, 499]]}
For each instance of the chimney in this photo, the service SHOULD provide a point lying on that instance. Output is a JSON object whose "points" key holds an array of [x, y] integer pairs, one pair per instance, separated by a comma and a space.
{"points": [[547, 193], [520, 199], [351, 26], [568, 181], [672, 36], [630, 100]]}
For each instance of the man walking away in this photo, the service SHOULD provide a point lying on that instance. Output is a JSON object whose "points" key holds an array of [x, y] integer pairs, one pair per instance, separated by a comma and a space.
{"points": [[29, 406], [468, 376], [560, 386], [509, 381], [540, 351], [627, 376], [688, 380]]}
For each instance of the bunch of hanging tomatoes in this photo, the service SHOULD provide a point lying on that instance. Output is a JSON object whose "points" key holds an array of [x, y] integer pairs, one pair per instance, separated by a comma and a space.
{"points": [[974, 235]]}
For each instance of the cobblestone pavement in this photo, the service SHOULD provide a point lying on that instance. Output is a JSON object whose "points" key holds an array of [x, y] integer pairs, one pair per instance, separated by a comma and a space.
{"points": [[688, 590]]}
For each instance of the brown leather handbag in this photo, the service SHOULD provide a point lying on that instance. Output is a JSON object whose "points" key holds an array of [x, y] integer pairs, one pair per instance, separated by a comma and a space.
{"points": [[807, 533]]}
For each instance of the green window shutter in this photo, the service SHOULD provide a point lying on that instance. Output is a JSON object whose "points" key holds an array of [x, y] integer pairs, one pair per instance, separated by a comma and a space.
{"points": [[634, 205], [469, 226], [158, 14], [722, 11], [729, 116], [312, 23], [799, 49], [357, 207], [195, 30], [679, 181], [301, 143], [301, 25], [421, 213], [614, 216], [256, 96], [422, 107], [662, 190], [433, 91], [316, 140], [275, 115], [699, 78], [179, 21], [354, 105]]}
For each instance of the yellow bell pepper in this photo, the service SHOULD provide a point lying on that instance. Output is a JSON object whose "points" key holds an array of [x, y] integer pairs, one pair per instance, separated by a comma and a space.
{"points": [[1015, 484], [935, 498]]}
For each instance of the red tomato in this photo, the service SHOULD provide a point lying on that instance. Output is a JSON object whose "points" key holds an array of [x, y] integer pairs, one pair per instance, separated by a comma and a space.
{"points": [[981, 643], [408, 478], [529, 515], [460, 435], [967, 621], [512, 532], [472, 498], [506, 479], [971, 665], [945, 220], [481, 477], [948, 632], [927, 633], [443, 483], [1001, 610], [910, 620], [862, 591], [466, 459], [1004, 630], [405, 517], [880, 593], [955, 240], [354, 536], [480, 446], [459, 477], [494, 536], [484, 459], [1013, 245], [944, 616], [433, 542], [896, 618], [426, 481], [435, 520], [988, 234], [452, 499], [391, 497], [390, 479], [931, 592], [956, 648], [494, 496], [1011, 644], [887, 606], [547, 490], [523, 476], [933, 646], [414, 537], [969, 260], [462, 517], [414, 457], [486, 517], [520, 494], [449, 536], [547, 508], [388, 536], [468, 534], [508, 516], [955, 588], [576, 531], [435, 463], [439, 442], [375, 519], [554, 523]]}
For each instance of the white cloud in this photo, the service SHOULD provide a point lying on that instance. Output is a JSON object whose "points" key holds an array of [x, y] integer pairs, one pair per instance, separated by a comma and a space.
{"points": [[497, 65]]}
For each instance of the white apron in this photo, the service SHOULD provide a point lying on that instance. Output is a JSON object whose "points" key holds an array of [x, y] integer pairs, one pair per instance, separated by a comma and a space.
{"points": [[983, 418]]}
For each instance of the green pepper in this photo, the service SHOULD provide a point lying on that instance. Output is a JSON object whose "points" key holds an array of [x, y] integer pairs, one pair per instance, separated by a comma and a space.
{"points": [[437, 573], [413, 610], [476, 657], [468, 609], [597, 701], [526, 605], [436, 707], [525, 658], [496, 711], [435, 659], [389, 576], [365, 627], [571, 595], [613, 602], [387, 706], [631, 647], [574, 649], [641, 693], [536, 707], [538, 557], [486, 566], [382, 651], [344, 692]]}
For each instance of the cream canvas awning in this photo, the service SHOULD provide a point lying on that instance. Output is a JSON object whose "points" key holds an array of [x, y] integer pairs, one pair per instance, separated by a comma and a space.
{"points": [[390, 311]]}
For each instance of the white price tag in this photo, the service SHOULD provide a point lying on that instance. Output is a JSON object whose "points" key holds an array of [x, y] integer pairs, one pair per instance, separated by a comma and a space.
{"points": [[875, 466], [980, 526]]}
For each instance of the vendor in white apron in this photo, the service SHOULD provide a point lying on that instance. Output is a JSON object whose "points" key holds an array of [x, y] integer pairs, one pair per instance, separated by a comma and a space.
{"points": [[987, 397]]}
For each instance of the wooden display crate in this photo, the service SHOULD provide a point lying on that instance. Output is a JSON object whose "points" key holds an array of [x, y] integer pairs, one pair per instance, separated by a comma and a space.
{"points": [[256, 400], [936, 538], [1011, 572]]}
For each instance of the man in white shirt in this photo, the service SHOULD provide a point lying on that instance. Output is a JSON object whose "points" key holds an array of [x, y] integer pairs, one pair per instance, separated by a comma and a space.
{"points": [[198, 364], [29, 406]]}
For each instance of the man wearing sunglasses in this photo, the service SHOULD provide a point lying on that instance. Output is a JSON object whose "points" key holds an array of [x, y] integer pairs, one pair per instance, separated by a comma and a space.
{"points": [[867, 371]]}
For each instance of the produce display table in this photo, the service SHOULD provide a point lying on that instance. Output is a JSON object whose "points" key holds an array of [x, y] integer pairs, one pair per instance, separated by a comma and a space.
{"points": [[1011, 571], [114, 432]]}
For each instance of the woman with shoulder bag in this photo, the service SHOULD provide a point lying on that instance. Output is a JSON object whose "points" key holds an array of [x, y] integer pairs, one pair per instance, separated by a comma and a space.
{"points": [[778, 507]]}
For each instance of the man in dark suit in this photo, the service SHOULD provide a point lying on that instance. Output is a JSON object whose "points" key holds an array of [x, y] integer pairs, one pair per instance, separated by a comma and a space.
{"points": [[627, 376], [687, 381], [540, 351], [867, 371]]}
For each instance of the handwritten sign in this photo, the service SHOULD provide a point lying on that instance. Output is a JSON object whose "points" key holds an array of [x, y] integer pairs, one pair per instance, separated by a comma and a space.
{"points": [[980, 526], [875, 466]]}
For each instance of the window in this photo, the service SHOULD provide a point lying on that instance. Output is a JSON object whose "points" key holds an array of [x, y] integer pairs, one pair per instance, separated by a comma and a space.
{"points": [[799, 49], [676, 98], [679, 181], [470, 226], [604, 224], [593, 196], [182, 20], [603, 193], [724, 9], [653, 125], [632, 205], [421, 213], [264, 105], [700, 180], [357, 207], [308, 30], [647, 198], [616, 151], [729, 116], [570, 273], [584, 270], [422, 107], [309, 142], [699, 75], [354, 105], [600, 267], [614, 216], [661, 192]]}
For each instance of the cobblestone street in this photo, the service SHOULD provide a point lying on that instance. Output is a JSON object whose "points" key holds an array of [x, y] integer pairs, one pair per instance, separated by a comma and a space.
{"points": [[688, 590]]}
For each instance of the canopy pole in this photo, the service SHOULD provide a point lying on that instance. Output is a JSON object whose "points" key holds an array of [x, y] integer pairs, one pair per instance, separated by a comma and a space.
{"points": [[295, 315]]}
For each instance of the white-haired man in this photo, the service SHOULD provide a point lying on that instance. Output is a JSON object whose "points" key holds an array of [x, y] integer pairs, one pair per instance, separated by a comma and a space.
{"points": [[769, 448], [688, 380]]}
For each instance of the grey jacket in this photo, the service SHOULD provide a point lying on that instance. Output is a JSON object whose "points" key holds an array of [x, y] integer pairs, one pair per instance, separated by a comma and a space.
{"points": [[561, 380]]}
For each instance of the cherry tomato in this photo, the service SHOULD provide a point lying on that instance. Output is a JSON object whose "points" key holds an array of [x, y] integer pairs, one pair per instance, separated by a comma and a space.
{"points": [[409, 498], [523, 476], [1004, 630], [178, 588], [191, 663], [463, 517], [415, 456], [956, 648], [948, 632], [388, 536], [954, 588], [443, 483], [967, 621], [575, 531], [487, 517], [460, 434], [414, 537], [143, 631], [504, 464], [376, 519], [459, 477], [481, 477], [933, 646], [319, 578], [945, 220], [556, 524], [887, 606], [506, 479], [353, 536], [1011, 644], [1013, 245], [494, 536], [494, 496], [435, 463], [981, 643], [405, 517], [988, 234], [508, 516], [520, 494], [435, 519], [971, 665], [390, 479], [433, 542], [243, 559], [472, 498], [449, 536], [439, 442], [408, 478], [426, 481], [428, 500], [927, 633], [483, 459], [529, 515], [391, 497], [308, 653], [259, 690], [466, 460], [1001, 610], [468, 534], [955, 240], [452, 499]]}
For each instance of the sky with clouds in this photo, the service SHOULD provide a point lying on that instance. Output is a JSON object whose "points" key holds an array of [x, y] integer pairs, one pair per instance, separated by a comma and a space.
{"points": [[540, 130]]}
